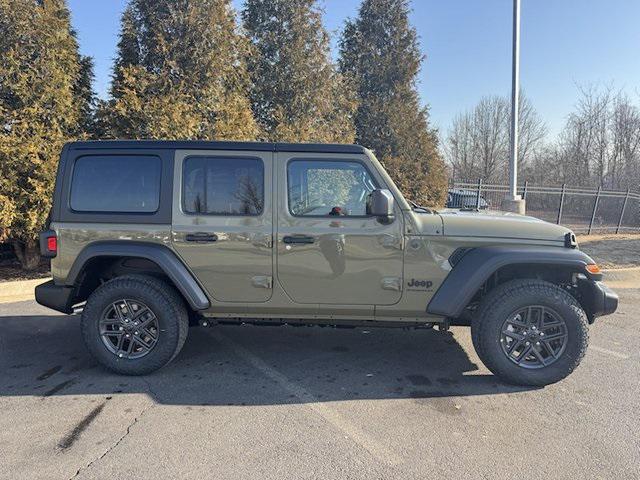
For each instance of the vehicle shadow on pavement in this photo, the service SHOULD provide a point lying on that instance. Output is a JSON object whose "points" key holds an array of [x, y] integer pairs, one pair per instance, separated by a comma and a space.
{"points": [[248, 365]]}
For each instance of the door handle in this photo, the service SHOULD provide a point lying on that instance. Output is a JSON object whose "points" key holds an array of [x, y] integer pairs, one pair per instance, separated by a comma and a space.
{"points": [[299, 239], [201, 237]]}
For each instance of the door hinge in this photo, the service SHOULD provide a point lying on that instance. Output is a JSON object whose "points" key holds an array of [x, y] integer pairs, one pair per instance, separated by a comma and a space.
{"points": [[392, 283]]}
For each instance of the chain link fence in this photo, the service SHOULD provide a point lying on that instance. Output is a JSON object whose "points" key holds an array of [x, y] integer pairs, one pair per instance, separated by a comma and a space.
{"points": [[584, 210]]}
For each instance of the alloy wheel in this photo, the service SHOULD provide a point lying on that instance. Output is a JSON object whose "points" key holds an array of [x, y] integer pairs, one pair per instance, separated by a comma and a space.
{"points": [[129, 329], [534, 337]]}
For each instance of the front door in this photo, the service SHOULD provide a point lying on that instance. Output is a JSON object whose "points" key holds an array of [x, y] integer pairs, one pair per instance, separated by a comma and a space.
{"points": [[329, 250], [222, 222]]}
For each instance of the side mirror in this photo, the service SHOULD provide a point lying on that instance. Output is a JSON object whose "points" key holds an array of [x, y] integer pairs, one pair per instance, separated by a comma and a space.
{"points": [[381, 205]]}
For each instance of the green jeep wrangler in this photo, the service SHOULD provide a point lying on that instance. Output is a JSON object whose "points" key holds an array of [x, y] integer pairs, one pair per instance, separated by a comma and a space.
{"points": [[148, 237]]}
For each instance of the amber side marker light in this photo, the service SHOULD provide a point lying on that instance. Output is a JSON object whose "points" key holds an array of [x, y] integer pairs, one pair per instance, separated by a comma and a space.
{"points": [[593, 268]]}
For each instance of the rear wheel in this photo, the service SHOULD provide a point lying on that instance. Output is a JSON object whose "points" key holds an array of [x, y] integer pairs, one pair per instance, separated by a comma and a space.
{"points": [[530, 332], [134, 324]]}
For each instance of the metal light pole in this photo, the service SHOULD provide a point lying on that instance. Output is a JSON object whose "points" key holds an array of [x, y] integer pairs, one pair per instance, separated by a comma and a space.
{"points": [[514, 202]]}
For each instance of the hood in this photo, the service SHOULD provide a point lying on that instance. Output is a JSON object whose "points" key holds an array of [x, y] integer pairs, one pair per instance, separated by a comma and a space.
{"points": [[502, 225]]}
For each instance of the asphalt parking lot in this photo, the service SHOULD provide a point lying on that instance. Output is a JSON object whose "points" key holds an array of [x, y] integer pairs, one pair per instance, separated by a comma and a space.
{"points": [[307, 402]]}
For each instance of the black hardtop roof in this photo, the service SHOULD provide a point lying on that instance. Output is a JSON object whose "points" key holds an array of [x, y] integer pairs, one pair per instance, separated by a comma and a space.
{"points": [[207, 145]]}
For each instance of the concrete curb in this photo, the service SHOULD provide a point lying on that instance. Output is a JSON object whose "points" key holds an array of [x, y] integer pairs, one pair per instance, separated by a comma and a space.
{"points": [[19, 290]]}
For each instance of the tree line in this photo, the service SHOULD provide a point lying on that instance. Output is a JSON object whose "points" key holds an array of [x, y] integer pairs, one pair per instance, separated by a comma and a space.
{"points": [[193, 69], [598, 146]]}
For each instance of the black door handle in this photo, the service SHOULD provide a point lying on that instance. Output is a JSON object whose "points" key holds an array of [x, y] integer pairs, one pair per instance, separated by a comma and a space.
{"points": [[303, 239], [201, 237]]}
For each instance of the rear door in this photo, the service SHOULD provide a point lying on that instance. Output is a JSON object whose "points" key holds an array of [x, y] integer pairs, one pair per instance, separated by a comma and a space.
{"points": [[222, 221], [329, 251]]}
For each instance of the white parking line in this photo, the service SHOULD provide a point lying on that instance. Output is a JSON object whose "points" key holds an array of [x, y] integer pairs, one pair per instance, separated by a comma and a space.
{"points": [[376, 449], [609, 352]]}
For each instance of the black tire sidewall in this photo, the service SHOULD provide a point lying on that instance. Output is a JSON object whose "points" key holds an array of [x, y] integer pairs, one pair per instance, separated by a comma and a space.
{"points": [[488, 335], [118, 289]]}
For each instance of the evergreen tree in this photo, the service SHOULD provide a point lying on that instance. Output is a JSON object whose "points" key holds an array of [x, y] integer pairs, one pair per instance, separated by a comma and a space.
{"points": [[83, 90], [380, 54], [180, 73], [297, 94], [44, 100]]}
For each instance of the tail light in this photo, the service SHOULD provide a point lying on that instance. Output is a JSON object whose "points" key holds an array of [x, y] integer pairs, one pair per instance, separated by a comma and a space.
{"points": [[52, 244], [48, 244]]}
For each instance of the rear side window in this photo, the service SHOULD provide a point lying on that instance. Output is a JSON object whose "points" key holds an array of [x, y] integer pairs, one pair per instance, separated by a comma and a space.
{"points": [[116, 183], [223, 186]]}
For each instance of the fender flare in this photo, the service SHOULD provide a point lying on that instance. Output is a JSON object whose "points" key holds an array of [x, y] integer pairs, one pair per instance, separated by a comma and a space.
{"points": [[161, 255], [477, 265]]}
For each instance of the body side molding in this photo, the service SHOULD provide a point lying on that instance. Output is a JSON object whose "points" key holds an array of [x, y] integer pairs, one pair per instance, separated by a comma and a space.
{"points": [[478, 264], [159, 254]]}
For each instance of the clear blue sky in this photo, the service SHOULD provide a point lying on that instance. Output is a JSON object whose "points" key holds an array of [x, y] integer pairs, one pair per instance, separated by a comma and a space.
{"points": [[468, 48]]}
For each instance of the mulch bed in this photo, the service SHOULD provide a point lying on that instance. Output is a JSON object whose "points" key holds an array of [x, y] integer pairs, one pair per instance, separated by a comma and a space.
{"points": [[10, 270]]}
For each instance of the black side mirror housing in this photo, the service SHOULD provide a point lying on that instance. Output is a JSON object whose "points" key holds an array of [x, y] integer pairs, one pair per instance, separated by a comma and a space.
{"points": [[381, 205]]}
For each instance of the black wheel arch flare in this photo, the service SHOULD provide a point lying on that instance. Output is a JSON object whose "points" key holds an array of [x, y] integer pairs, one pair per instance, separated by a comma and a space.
{"points": [[476, 265], [159, 254]]}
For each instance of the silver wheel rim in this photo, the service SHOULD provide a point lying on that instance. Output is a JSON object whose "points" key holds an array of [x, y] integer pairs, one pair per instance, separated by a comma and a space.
{"points": [[534, 337], [129, 329]]}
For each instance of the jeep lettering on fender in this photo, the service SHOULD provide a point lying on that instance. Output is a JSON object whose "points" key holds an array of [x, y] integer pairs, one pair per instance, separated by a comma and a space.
{"points": [[147, 238], [419, 284]]}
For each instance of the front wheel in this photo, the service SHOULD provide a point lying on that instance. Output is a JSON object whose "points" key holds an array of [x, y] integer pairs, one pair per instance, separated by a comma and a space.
{"points": [[134, 324], [530, 332]]}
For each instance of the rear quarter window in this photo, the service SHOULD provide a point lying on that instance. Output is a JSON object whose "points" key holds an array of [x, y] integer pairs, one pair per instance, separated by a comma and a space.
{"points": [[116, 183]]}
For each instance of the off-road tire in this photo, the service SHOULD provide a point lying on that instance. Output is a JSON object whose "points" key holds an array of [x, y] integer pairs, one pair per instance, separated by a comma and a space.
{"points": [[164, 301], [507, 298]]}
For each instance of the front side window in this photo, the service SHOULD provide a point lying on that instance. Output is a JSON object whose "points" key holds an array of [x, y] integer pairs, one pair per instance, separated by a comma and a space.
{"points": [[116, 183], [328, 188], [223, 186]]}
